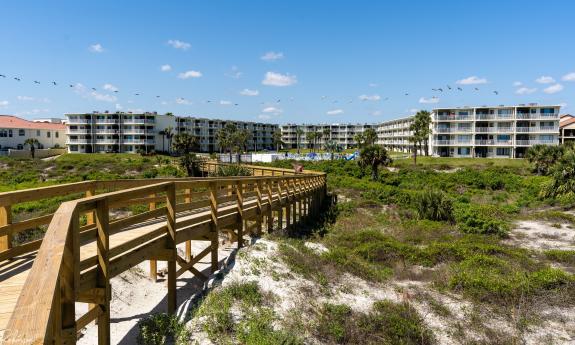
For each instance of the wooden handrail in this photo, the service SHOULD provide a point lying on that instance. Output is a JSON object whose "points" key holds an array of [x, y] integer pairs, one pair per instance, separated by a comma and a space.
{"points": [[44, 312]]}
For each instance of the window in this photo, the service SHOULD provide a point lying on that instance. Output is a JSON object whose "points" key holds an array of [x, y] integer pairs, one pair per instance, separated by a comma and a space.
{"points": [[48, 134], [504, 111], [547, 111], [57, 134], [21, 132], [503, 151], [10, 133], [38, 133], [3, 133]]}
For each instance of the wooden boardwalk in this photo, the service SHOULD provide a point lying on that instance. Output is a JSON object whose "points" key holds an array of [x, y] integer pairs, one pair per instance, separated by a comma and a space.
{"points": [[92, 239]]}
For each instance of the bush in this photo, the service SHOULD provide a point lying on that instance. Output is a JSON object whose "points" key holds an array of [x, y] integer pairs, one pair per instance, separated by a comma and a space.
{"points": [[480, 219], [232, 170], [434, 205], [159, 329], [563, 256]]}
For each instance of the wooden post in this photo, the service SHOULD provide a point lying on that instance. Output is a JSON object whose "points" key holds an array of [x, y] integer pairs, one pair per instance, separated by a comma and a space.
{"points": [[187, 200], [90, 215], [171, 244], [270, 217], [240, 202], [65, 313], [103, 275], [259, 203], [153, 263], [214, 228], [5, 219], [288, 206]]}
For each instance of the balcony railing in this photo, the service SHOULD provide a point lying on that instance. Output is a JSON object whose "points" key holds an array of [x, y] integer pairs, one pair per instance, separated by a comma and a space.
{"points": [[536, 141], [537, 129], [493, 142], [454, 130], [452, 142], [454, 117], [537, 116]]}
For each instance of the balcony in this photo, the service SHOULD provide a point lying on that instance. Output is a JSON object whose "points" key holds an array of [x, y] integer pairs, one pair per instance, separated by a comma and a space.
{"points": [[491, 142], [531, 116], [551, 129], [452, 142], [454, 118], [79, 121], [78, 141], [78, 131], [454, 130], [112, 121], [138, 141], [535, 142], [134, 131]]}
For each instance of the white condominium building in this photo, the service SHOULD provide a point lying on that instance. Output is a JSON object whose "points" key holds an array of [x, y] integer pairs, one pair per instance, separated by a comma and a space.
{"points": [[394, 135], [14, 131], [341, 134], [132, 133], [502, 131]]}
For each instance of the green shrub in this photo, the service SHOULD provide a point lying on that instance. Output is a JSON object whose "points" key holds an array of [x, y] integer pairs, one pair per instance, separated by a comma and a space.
{"points": [[434, 205], [331, 322], [564, 256], [159, 329], [232, 170], [480, 219]]}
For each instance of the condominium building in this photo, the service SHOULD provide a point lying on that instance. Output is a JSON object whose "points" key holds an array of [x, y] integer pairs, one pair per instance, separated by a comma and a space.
{"points": [[567, 128], [394, 135], [342, 134], [502, 131], [145, 132], [14, 131]]}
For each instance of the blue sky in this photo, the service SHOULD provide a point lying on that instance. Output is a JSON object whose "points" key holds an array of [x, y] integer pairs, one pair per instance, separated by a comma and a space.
{"points": [[283, 61]]}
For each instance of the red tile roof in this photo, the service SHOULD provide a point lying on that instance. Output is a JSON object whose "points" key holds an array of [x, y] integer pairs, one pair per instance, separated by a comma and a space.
{"points": [[566, 120], [9, 121]]}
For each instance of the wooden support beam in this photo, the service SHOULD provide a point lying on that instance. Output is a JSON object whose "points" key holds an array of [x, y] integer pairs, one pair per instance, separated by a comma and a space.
{"points": [[153, 263], [240, 203], [259, 207], [5, 219], [171, 245], [188, 200], [102, 273], [270, 217], [214, 230]]}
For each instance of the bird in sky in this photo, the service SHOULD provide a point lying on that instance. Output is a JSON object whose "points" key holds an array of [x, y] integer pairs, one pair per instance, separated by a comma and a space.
{"points": [[2, 75], [279, 100], [116, 91], [157, 96], [386, 98], [54, 83], [496, 92], [433, 89], [407, 94], [476, 89], [236, 104], [440, 89], [71, 85], [36, 82], [17, 79], [460, 89], [136, 94], [449, 87], [94, 88]]}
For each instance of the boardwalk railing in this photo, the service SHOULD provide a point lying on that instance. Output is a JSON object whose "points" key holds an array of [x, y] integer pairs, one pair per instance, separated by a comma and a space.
{"points": [[86, 244]]}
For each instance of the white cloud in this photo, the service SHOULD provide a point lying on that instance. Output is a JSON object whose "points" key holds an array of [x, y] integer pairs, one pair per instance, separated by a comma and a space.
{"points": [[432, 100], [235, 73], [373, 85], [277, 79], [545, 80], [525, 91], [33, 112], [272, 56], [110, 87], [96, 48], [4, 103], [473, 80], [183, 101], [103, 97], [179, 44], [335, 112], [569, 77], [189, 74], [563, 105], [119, 106], [376, 112], [165, 68], [32, 99], [370, 97], [222, 102], [553, 88], [248, 92], [264, 117], [272, 110], [517, 83]]}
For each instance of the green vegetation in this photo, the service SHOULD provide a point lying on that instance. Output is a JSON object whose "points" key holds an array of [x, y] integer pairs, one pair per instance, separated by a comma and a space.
{"points": [[256, 319], [562, 256], [386, 323], [231, 170], [159, 329]]}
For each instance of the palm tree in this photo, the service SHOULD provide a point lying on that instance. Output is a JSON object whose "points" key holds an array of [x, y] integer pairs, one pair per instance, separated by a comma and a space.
{"points": [[169, 133], [374, 156], [317, 137], [327, 135], [185, 143], [226, 137], [310, 137], [420, 132], [331, 146], [543, 157], [298, 133], [277, 139], [33, 143], [359, 140], [562, 182], [163, 134], [241, 139], [369, 136]]}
